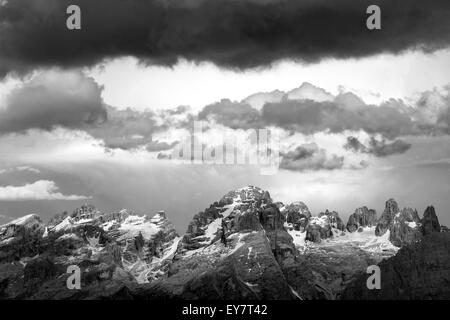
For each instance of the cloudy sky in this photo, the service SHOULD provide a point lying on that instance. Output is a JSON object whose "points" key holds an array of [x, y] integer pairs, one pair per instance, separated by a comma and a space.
{"points": [[93, 115]]}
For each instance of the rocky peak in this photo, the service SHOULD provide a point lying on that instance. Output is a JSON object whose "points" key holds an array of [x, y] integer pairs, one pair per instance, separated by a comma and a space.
{"points": [[245, 195], [20, 237], [318, 228], [333, 219], [297, 214], [405, 227], [391, 206], [390, 210], [238, 210], [28, 224], [430, 221], [28, 221], [362, 217]]}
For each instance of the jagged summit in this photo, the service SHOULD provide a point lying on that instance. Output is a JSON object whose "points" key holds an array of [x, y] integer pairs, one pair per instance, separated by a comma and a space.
{"points": [[26, 221], [430, 221], [246, 194], [362, 218]]}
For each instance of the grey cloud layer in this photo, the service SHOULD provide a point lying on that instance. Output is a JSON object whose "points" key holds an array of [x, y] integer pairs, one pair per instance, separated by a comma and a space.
{"points": [[310, 157], [379, 148], [391, 119], [230, 33], [53, 99], [72, 100]]}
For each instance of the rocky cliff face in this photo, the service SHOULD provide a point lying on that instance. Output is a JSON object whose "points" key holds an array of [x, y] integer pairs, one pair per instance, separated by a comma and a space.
{"points": [[20, 237], [298, 215], [385, 221], [419, 271], [110, 250], [404, 225], [324, 226], [235, 249], [362, 217], [430, 222]]}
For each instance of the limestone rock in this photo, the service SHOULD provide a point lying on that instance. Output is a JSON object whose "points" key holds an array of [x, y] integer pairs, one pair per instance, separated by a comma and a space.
{"points": [[333, 219], [430, 221], [362, 217], [420, 271], [405, 228], [318, 228], [298, 214], [391, 209]]}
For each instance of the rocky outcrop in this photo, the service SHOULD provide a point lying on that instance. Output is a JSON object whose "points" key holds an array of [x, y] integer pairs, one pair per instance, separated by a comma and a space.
{"points": [[21, 238], [403, 225], [333, 219], [419, 271], [390, 210], [240, 252], [109, 249], [249, 272], [298, 214], [318, 228], [321, 227], [234, 212], [405, 228], [362, 217], [430, 221]]}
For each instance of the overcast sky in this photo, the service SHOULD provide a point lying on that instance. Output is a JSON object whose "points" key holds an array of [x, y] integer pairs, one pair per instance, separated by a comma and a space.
{"points": [[93, 115]]}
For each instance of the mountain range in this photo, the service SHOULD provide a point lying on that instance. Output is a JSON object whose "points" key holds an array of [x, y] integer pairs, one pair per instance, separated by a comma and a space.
{"points": [[243, 246]]}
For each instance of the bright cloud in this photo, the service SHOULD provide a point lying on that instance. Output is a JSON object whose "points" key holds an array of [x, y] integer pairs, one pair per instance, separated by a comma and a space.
{"points": [[39, 190]]}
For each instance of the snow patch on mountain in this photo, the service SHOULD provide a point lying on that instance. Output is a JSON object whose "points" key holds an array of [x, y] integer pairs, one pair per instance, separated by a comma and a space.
{"points": [[135, 225], [26, 221]]}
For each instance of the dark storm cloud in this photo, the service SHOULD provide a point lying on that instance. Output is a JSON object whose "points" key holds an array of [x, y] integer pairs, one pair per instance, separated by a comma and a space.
{"points": [[310, 157], [230, 33], [379, 148], [53, 99]]}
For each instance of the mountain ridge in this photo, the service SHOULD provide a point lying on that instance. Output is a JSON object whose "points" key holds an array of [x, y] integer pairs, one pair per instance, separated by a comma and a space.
{"points": [[244, 246]]}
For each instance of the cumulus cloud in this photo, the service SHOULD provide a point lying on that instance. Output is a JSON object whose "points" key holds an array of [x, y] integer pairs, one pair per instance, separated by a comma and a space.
{"points": [[235, 115], [39, 190], [307, 116], [70, 99], [379, 148], [309, 109], [310, 157], [51, 99], [130, 129], [433, 110], [230, 33]]}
